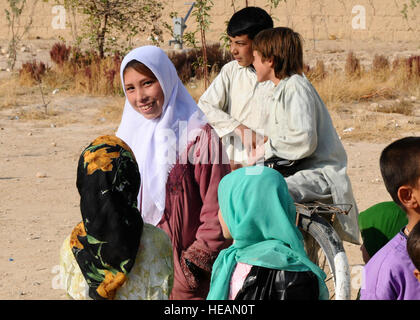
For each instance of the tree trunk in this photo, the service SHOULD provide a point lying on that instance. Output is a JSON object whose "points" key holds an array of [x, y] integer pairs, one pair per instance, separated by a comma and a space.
{"points": [[204, 50], [101, 38]]}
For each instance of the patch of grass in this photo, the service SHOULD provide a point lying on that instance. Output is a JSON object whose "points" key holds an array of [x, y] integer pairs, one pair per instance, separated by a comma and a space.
{"points": [[8, 92], [36, 114], [338, 88], [401, 107]]}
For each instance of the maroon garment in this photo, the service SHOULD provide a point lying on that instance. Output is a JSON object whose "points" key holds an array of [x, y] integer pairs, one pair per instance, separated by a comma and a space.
{"points": [[190, 217]]}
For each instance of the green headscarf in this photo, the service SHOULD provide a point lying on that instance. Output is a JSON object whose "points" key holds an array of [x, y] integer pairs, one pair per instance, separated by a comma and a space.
{"points": [[260, 215], [379, 224]]}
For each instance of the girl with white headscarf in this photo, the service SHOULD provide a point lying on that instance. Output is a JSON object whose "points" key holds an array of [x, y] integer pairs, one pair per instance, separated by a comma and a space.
{"points": [[181, 161]]}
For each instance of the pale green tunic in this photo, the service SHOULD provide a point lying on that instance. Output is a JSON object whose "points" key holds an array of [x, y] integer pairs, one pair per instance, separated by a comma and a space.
{"points": [[151, 277], [300, 127]]}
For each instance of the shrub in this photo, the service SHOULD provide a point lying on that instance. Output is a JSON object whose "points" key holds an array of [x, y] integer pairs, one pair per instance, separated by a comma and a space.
{"points": [[32, 71], [60, 53], [407, 68], [187, 61], [413, 66], [183, 64], [317, 73], [380, 64], [352, 67]]}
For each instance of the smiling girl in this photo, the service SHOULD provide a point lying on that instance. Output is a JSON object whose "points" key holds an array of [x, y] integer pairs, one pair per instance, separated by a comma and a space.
{"points": [[180, 197]]}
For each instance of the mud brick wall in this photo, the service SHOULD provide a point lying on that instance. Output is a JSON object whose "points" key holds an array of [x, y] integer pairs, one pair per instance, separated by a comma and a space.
{"points": [[314, 19]]}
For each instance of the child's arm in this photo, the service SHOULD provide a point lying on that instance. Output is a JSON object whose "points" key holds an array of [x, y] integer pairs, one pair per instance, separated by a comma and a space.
{"points": [[215, 104], [209, 168]]}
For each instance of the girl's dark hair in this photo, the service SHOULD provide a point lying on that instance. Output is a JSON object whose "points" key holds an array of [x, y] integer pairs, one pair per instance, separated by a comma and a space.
{"points": [[249, 21], [284, 46], [413, 245], [140, 68], [400, 165]]}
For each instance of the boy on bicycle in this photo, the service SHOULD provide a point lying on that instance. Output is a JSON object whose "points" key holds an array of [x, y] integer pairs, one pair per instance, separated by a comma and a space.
{"points": [[299, 128]]}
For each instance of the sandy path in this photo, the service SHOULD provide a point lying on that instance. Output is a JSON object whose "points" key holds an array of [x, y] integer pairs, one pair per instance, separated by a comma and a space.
{"points": [[36, 214]]}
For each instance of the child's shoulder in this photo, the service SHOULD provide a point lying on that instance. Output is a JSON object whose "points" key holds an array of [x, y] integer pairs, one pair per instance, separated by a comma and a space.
{"points": [[233, 69], [390, 255], [230, 66], [297, 82]]}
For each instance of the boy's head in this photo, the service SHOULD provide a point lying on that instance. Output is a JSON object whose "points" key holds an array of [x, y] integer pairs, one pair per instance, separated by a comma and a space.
{"points": [[282, 49], [243, 26], [413, 248], [400, 168]]}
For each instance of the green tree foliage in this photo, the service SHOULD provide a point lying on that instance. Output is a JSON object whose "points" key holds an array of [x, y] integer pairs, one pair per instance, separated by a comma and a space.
{"points": [[413, 4], [16, 30], [201, 13], [111, 25]]}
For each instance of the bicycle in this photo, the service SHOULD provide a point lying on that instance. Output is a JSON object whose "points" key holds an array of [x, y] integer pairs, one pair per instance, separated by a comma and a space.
{"points": [[315, 222]]}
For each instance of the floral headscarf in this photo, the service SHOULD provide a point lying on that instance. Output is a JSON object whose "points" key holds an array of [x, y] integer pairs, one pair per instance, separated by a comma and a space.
{"points": [[106, 242]]}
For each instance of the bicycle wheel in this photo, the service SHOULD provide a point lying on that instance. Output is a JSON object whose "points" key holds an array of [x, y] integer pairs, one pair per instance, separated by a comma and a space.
{"points": [[319, 234]]}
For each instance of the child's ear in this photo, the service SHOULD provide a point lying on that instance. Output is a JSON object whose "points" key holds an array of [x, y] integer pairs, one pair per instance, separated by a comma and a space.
{"points": [[271, 62], [407, 197], [417, 274]]}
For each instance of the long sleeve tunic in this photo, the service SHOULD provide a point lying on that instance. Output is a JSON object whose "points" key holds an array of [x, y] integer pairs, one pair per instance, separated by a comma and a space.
{"points": [[190, 217], [231, 100], [299, 127]]}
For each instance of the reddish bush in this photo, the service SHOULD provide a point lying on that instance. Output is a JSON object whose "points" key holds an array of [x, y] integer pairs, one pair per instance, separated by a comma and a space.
{"points": [[187, 61], [380, 63], [60, 53], [83, 59], [413, 65], [34, 69]]}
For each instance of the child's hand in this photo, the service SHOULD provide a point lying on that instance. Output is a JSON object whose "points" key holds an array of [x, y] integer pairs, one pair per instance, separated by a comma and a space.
{"points": [[256, 154], [251, 140]]}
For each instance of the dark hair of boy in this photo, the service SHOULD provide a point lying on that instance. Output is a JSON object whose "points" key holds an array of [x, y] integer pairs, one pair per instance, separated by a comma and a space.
{"points": [[284, 46], [413, 245], [249, 21], [400, 165]]}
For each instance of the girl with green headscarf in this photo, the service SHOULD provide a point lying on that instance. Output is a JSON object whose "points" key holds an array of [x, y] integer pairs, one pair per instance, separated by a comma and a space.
{"points": [[260, 216]]}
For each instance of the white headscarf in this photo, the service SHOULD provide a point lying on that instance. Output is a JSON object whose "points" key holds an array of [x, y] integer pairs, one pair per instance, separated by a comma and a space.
{"points": [[157, 143]]}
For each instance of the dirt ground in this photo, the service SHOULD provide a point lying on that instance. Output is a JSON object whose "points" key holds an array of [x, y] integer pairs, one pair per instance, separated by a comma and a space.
{"points": [[39, 203]]}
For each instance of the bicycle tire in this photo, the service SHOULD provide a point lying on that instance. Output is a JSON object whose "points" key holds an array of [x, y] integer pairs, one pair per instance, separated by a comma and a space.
{"points": [[331, 245]]}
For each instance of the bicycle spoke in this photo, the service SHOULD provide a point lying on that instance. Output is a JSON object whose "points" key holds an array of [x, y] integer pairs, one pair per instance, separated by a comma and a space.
{"points": [[322, 265]]}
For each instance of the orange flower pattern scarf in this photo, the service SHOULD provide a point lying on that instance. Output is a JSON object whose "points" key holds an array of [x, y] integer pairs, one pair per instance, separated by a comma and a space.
{"points": [[106, 242]]}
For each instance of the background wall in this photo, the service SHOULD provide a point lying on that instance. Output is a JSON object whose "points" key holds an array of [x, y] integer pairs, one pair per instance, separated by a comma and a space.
{"points": [[316, 19]]}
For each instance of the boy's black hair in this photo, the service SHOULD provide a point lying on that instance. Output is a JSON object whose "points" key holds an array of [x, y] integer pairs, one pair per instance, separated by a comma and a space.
{"points": [[400, 165], [413, 245], [249, 21]]}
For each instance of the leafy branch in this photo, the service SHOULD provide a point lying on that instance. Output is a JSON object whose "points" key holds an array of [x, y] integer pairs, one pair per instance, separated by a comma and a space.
{"points": [[202, 17], [13, 17], [413, 4], [107, 20]]}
